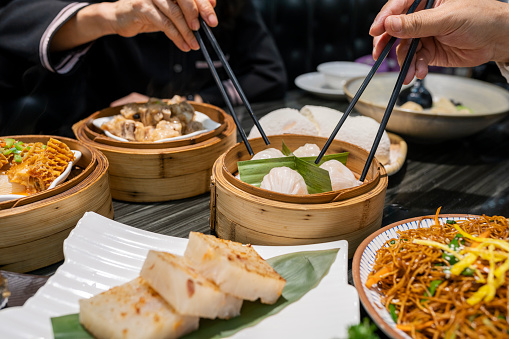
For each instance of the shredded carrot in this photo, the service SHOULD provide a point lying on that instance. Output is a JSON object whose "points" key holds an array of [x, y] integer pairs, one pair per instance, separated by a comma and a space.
{"points": [[375, 278], [412, 326], [485, 234], [437, 222]]}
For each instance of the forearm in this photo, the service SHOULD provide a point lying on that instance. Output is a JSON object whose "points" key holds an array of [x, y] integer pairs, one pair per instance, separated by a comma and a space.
{"points": [[89, 24]]}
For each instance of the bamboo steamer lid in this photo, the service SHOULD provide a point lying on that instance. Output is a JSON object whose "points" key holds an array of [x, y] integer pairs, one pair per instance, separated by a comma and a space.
{"points": [[34, 228], [152, 172], [261, 217]]}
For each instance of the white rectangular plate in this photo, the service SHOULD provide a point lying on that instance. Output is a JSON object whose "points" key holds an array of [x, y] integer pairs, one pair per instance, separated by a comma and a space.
{"points": [[101, 253]]}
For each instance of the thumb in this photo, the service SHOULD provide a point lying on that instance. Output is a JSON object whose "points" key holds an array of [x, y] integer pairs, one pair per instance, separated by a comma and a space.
{"points": [[416, 25]]}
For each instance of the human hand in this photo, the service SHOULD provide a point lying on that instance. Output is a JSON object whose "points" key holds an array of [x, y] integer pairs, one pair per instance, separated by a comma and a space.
{"points": [[454, 33], [176, 18], [130, 98]]}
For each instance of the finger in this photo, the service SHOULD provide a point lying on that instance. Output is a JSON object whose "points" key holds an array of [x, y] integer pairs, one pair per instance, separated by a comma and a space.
{"points": [[424, 57], [392, 7], [190, 11], [166, 26], [417, 25], [379, 44], [206, 9], [411, 72], [177, 20], [401, 52]]}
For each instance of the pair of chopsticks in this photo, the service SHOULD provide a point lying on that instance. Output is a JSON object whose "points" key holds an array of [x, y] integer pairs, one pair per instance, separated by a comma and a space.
{"points": [[206, 29], [392, 100]]}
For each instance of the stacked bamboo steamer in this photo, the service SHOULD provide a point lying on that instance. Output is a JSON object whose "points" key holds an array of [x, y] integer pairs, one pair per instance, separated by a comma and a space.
{"points": [[152, 172], [34, 228], [248, 214]]}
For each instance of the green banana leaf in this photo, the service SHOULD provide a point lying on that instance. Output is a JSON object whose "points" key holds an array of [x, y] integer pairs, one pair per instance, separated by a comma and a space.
{"points": [[302, 271], [317, 179]]}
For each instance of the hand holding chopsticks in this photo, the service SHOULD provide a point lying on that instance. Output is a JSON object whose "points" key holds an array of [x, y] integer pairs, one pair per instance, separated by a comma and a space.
{"points": [[392, 100], [234, 80]]}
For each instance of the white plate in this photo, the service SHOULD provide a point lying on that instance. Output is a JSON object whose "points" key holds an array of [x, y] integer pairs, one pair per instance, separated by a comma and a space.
{"points": [[101, 253], [61, 178], [315, 83], [208, 124], [363, 263]]}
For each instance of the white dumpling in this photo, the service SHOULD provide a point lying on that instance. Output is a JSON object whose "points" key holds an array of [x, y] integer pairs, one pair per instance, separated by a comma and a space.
{"points": [[340, 176], [308, 150], [443, 105], [268, 153], [284, 180]]}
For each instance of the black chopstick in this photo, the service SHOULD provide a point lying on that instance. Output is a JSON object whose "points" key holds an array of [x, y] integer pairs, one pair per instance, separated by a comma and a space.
{"points": [[392, 101], [231, 75], [363, 86], [222, 90]]}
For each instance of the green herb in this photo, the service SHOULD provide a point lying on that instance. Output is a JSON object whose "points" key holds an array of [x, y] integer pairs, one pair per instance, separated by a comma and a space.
{"points": [[432, 289], [450, 222], [19, 146], [392, 311], [302, 271], [453, 245], [17, 158], [364, 330], [9, 142], [461, 107]]}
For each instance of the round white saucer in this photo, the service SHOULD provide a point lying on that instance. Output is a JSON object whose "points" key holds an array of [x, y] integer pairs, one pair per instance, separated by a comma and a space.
{"points": [[315, 83]]}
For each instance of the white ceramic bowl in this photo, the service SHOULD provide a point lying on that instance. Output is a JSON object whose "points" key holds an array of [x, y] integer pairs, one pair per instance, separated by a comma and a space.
{"points": [[336, 73], [489, 102]]}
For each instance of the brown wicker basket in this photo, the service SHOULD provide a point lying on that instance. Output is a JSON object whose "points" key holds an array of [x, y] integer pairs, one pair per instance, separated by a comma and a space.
{"points": [[252, 215], [34, 228], [151, 172]]}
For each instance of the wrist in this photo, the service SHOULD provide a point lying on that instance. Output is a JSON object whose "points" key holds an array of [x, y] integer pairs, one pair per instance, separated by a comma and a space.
{"points": [[501, 42], [98, 19]]}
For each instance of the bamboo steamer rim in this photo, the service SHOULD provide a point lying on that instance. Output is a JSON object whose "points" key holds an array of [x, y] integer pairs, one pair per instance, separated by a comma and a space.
{"points": [[87, 152], [376, 174], [220, 181], [229, 128], [78, 129], [100, 169], [99, 138]]}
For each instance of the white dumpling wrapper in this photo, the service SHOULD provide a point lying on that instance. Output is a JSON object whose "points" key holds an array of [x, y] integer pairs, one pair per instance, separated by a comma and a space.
{"points": [[284, 180], [268, 153], [341, 177], [308, 150]]}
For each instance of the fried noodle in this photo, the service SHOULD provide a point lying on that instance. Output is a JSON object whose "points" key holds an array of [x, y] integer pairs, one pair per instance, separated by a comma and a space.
{"points": [[431, 298]]}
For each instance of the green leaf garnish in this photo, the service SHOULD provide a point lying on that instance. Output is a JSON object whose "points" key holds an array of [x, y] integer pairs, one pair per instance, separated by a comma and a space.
{"points": [[302, 271]]}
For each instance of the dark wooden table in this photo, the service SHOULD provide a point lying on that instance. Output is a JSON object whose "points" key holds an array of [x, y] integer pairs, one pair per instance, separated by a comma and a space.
{"points": [[469, 175]]}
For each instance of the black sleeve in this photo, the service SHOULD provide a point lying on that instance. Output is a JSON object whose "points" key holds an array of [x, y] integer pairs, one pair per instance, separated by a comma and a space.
{"points": [[255, 60], [26, 27]]}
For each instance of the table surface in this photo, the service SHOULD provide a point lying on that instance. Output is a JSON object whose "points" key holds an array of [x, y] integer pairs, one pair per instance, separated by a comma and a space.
{"points": [[468, 175]]}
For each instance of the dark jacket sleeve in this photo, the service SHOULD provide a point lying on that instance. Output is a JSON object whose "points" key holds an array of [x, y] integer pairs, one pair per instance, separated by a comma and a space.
{"points": [[26, 27], [254, 58]]}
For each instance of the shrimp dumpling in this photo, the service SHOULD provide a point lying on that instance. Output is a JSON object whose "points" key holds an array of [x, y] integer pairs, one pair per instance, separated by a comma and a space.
{"points": [[308, 150], [268, 153], [340, 176], [284, 180]]}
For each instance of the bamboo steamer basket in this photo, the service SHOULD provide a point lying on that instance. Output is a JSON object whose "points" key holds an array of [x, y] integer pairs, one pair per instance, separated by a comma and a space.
{"points": [[34, 228], [248, 214], [153, 172]]}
